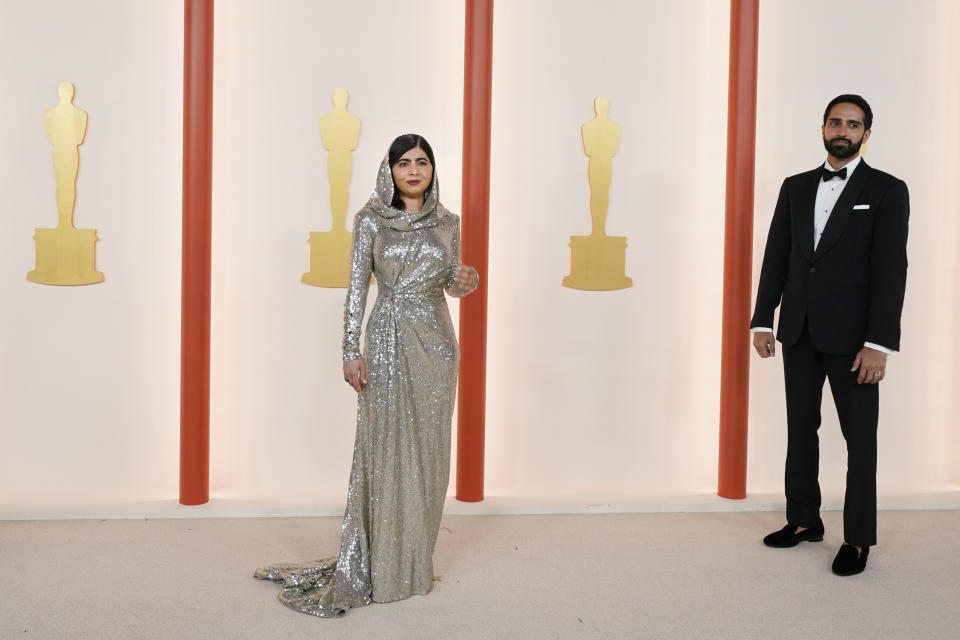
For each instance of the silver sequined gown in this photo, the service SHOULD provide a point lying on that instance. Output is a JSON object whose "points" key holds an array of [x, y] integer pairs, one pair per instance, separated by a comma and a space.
{"points": [[401, 458]]}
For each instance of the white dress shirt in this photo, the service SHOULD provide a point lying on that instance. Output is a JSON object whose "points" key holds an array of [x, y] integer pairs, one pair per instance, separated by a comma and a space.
{"points": [[828, 192]]}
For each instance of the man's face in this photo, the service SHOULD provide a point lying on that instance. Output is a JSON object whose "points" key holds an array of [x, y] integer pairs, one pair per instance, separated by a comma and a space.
{"points": [[843, 132]]}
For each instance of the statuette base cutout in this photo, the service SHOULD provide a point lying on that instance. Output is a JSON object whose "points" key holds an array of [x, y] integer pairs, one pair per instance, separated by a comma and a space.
{"points": [[66, 256], [597, 263], [329, 259]]}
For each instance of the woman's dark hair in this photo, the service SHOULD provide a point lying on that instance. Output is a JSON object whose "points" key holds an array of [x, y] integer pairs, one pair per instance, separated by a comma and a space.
{"points": [[399, 147], [852, 99]]}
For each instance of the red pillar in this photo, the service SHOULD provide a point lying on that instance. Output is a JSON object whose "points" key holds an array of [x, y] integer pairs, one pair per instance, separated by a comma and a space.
{"points": [[477, 78], [738, 248], [195, 292]]}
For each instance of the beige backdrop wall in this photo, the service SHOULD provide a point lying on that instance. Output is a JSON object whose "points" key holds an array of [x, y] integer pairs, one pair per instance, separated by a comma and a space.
{"points": [[604, 395], [89, 376], [593, 398]]}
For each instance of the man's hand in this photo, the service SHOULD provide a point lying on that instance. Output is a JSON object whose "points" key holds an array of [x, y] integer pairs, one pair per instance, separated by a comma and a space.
{"points": [[764, 343], [872, 365]]}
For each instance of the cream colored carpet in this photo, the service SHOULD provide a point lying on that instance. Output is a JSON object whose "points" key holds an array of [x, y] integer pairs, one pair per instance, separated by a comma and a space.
{"points": [[657, 576]]}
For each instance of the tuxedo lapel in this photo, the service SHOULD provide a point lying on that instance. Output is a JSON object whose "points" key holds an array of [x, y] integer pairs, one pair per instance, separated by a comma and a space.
{"points": [[841, 211], [807, 200]]}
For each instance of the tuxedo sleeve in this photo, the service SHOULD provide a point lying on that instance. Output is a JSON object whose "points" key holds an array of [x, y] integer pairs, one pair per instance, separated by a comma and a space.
{"points": [[776, 259], [888, 267]]}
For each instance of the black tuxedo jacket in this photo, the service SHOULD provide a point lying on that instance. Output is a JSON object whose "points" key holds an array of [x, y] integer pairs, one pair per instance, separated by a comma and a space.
{"points": [[850, 290]]}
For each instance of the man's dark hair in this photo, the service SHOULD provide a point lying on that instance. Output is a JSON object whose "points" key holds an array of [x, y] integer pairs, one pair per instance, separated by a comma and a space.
{"points": [[399, 147], [852, 99]]}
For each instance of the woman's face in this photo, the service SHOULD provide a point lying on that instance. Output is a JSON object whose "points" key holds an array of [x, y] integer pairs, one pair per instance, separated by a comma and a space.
{"points": [[412, 173]]}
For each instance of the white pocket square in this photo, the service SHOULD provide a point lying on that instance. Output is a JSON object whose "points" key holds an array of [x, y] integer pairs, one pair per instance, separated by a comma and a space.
{"points": [[860, 207]]}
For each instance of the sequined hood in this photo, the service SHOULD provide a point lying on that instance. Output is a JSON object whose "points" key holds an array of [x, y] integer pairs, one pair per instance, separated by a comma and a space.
{"points": [[379, 203]]}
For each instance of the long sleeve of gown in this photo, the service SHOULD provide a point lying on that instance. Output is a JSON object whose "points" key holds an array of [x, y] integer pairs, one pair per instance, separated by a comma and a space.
{"points": [[361, 266], [453, 288]]}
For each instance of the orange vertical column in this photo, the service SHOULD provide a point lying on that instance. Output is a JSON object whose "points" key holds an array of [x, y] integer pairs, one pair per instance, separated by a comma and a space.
{"points": [[738, 248], [195, 292], [477, 79]]}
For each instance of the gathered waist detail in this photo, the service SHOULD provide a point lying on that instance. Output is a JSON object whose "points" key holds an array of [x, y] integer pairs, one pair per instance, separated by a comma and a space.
{"points": [[409, 294]]}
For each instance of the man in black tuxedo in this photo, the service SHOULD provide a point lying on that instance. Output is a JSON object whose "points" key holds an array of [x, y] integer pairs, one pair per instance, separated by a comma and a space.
{"points": [[836, 264]]}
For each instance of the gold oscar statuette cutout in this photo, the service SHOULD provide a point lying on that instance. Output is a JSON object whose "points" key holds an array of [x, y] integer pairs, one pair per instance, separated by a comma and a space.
{"points": [[66, 255], [597, 260], [330, 250]]}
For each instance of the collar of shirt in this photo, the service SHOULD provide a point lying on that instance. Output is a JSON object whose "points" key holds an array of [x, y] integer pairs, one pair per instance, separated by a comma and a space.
{"points": [[851, 166]]}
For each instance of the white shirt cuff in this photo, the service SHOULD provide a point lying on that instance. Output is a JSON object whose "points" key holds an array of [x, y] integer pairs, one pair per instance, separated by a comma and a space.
{"points": [[872, 345], [879, 348]]}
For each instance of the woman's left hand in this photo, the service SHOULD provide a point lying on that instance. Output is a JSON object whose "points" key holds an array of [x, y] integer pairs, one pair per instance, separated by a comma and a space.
{"points": [[467, 277]]}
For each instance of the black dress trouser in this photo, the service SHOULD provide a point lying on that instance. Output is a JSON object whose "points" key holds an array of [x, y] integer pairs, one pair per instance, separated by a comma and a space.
{"points": [[805, 369]]}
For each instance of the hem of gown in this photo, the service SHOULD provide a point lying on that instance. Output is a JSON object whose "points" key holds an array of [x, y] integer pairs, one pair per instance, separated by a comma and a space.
{"points": [[376, 598], [308, 601], [339, 612]]}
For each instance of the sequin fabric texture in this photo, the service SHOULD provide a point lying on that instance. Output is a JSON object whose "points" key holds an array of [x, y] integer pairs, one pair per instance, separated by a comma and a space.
{"points": [[401, 456]]}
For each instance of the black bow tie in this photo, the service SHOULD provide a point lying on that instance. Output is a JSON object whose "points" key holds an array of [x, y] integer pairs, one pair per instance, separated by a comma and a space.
{"points": [[829, 175]]}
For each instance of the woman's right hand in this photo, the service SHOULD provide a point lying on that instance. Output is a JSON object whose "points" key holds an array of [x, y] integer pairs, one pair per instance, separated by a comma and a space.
{"points": [[355, 373]]}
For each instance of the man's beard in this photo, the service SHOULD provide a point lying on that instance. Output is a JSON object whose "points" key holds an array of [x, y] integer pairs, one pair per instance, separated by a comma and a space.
{"points": [[841, 148]]}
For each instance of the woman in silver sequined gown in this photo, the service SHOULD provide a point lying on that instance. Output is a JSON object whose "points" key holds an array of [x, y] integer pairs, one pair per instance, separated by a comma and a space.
{"points": [[407, 381]]}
